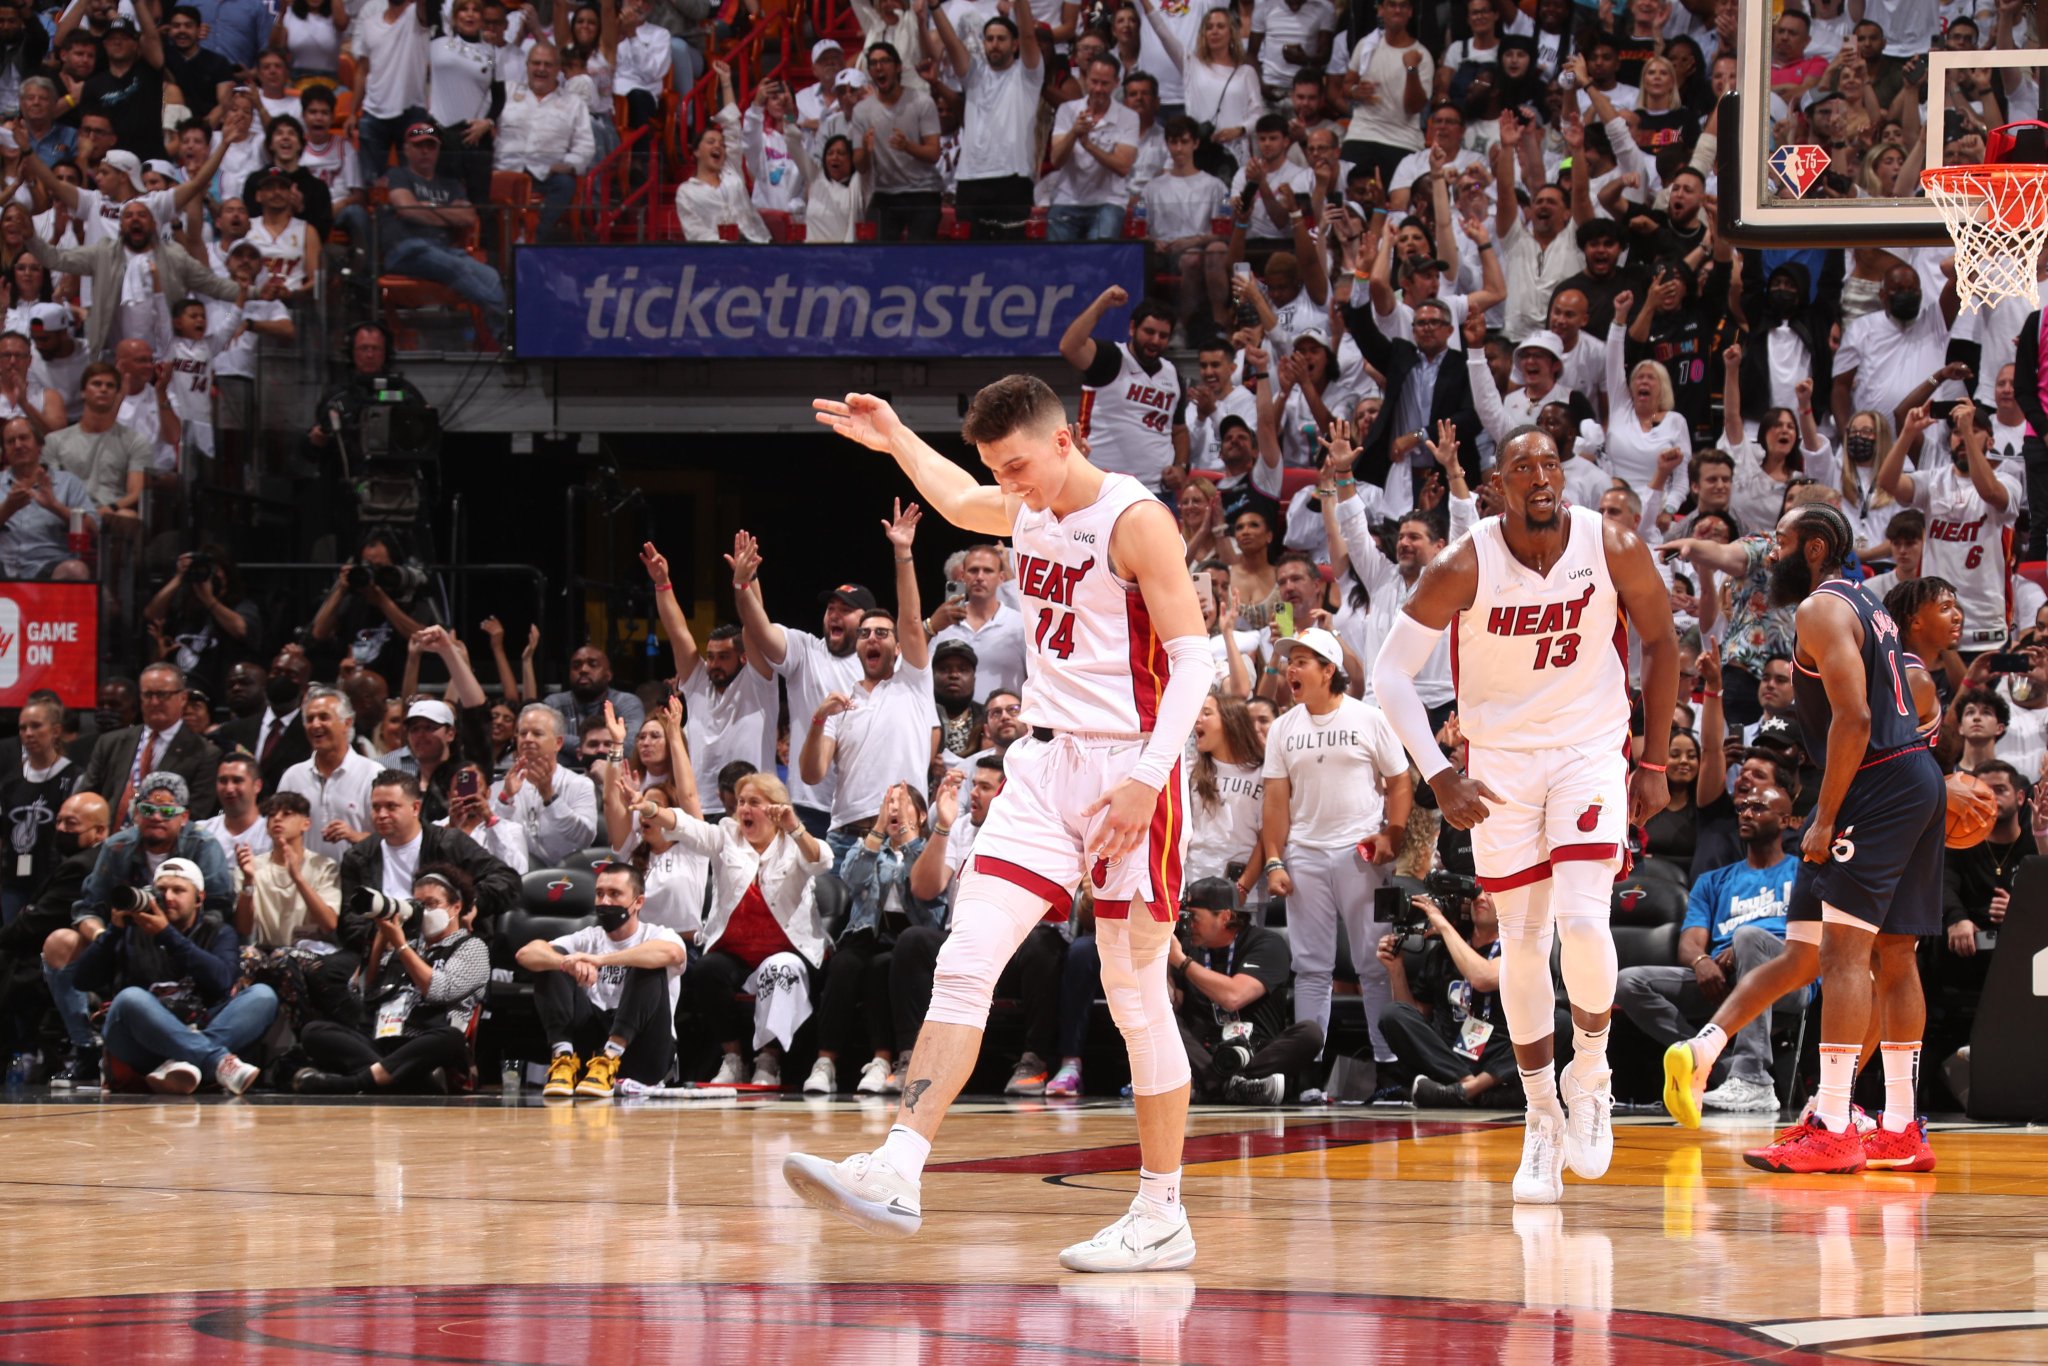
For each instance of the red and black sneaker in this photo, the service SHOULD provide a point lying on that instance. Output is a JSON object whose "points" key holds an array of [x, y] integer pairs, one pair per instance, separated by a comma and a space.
{"points": [[1810, 1147], [1904, 1151]]}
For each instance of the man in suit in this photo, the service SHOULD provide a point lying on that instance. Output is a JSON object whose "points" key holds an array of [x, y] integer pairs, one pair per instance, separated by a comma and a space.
{"points": [[162, 743], [401, 845], [1426, 384], [274, 734]]}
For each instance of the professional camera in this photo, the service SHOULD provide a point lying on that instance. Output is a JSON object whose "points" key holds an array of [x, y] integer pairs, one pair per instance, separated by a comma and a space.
{"points": [[378, 906], [131, 899], [199, 568], [396, 580], [1452, 892], [359, 577]]}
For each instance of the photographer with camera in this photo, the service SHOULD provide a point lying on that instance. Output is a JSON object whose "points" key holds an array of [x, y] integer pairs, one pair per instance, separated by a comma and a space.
{"points": [[194, 623], [428, 975], [163, 830], [170, 972], [374, 609], [1230, 981], [1447, 1027], [400, 846], [618, 981]]}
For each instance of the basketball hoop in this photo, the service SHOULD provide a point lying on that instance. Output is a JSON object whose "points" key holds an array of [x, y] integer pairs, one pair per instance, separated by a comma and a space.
{"points": [[1998, 216]]}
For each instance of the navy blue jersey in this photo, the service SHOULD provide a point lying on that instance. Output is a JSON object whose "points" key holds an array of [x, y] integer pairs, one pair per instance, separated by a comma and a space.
{"points": [[1894, 723]]}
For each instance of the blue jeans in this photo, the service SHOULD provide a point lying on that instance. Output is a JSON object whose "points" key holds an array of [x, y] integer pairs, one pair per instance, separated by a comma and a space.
{"points": [[1085, 223], [73, 1008], [143, 1034], [375, 139], [557, 192], [1080, 984], [451, 266]]}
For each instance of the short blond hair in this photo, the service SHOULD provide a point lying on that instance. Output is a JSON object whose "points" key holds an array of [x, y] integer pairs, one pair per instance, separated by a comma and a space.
{"points": [[767, 784]]}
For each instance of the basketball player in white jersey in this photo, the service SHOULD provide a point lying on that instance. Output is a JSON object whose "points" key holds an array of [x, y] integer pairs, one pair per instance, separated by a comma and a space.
{"points": [[1116, 671], [1131, 415], [1541, 597], [1971, 504]]}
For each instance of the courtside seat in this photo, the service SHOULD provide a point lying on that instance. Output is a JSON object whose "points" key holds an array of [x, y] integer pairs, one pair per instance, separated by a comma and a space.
{"points": [[559, 892], [589, 858]]}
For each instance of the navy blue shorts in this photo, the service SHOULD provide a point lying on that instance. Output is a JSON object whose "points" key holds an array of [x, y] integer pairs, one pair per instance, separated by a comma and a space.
{"points": [[1886, 863]]}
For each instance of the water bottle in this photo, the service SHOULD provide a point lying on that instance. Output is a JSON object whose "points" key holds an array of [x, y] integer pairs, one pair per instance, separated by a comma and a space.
{"points": [[77, 539], [1136, 230], [509, 1077]]}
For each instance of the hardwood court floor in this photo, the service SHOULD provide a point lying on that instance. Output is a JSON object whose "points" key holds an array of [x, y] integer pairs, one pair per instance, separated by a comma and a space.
{"points": [[505, 1231]]}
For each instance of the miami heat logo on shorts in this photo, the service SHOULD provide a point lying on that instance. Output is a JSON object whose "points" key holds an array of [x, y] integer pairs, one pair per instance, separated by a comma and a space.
{"points": [[1099, 874], [1589, 819]]}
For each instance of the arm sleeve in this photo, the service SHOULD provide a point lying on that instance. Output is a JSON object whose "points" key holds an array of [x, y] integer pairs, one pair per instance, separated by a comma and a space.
{"points": [[1407, 650], [1192, 672]]}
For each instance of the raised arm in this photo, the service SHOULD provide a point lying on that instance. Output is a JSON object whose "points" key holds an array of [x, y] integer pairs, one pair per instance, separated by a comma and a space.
{"points": [[1731, 398], [1077, 343], [1163, 31], [1975, 438], [763, 638], [911, 641], [1891, 473], [956, 51], [944, 486], [681, 643], [508, 682], [1027, 36], [1619, 405]]}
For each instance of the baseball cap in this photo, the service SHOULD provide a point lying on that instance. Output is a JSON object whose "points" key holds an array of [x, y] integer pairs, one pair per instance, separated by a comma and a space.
{"points": [[185, 870], [823, 46], [852, 78], [121, 23], [128, 164], [850, 594], [1542, 339], [1315, 639], [1223, 428], [954, 647], [423, 132], [1315, 333], [165, 169], [1415, 265], [1775, 732], [267, 176], [1211, 894], [440, 713], [49, 317]]}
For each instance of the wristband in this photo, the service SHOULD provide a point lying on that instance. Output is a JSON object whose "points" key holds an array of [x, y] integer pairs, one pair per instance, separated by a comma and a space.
{"points": [[1273, 672], [1346, 483], [1650, 768], [940, 831], [1273, 863], [1485, 246], [664, 588], [905, 559], [1696, 962], [1710, 692]]}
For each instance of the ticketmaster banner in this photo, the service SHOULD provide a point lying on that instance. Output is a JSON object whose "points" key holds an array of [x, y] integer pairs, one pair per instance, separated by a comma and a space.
{"points": [[576, 303]]}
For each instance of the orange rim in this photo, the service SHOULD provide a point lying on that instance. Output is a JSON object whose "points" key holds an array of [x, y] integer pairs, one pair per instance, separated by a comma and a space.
{"points": [[2014, 190]]}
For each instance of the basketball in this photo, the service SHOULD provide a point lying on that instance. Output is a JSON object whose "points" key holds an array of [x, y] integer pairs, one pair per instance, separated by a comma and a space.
{"points": [[1972, 810]]}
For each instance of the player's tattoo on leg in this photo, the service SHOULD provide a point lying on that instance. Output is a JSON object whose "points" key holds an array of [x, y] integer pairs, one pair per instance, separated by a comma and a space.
{"points": [[912, 1092]]}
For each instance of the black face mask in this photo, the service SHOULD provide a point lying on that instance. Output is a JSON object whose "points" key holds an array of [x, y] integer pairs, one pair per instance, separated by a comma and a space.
{"points": [[66, 842], [1862, 449], [1905, 306], [281, 691], [610, 918], [107, 719], [1784, 303]]}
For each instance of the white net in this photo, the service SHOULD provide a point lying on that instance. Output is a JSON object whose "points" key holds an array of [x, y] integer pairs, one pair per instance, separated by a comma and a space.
{"points": [[1998, 216]]}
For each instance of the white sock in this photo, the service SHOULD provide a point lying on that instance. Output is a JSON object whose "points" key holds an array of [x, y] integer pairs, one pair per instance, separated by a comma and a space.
{"points": [[1540, 1087], [1161, 1188], [1706, 1048], [614, 1049], [1901, 1069], [560, 1049], [1589, 1051], [1837, 1082], [905, 1149]]}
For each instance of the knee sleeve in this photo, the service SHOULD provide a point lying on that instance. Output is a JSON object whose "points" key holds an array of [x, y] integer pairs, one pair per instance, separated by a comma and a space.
{"points": [[990, 919], [1580, 892], [1134, 982], [1526, 995]]}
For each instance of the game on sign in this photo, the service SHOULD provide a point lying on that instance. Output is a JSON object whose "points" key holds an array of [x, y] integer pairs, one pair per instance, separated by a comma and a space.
{"points": [[1800, 165]]}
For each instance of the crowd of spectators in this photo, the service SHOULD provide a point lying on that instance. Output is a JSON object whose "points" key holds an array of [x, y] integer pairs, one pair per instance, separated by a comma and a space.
{"points": [[284, 858]]}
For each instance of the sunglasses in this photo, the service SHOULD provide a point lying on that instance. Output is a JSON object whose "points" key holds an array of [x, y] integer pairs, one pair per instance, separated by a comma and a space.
{"points": [[166, 812], [874, 633]]}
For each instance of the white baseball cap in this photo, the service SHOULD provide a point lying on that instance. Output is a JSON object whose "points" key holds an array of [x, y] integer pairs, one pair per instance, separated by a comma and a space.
{"points": [[1316, 640], [127, 163], [823, 46], [185, 870], [440, 713]]}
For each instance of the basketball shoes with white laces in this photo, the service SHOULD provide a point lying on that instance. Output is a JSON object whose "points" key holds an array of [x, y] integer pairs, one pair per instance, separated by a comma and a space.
{"points": [[1540, 1178], [1589, 1123], [864, 1190], [1150, 1237]]}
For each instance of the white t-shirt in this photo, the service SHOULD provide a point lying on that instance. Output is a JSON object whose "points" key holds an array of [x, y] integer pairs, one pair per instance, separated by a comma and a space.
{"points": [[1184, 19], [398, 58], [1224, 834], [1288, 179], [738, 723], [1282, 25], [1333, 764], [810, 671], [1890, 360], [885, 739], [1179, 206], [256, 839], [401, 865], [997, 136], [462, 71], [343, 795], [611, 980], [1385, 119], [1083, 179]]}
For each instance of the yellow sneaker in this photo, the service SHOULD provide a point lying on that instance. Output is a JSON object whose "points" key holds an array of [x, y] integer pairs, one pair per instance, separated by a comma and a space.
{"points": [[1680, 1097], [600, 1075], [562, 1075]]}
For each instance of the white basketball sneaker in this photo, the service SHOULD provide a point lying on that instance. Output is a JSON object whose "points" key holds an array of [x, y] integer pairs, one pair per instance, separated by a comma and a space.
{"points": [[1151, 1237], [1540, 1178], [863, 1190], [1589, 1123]]}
